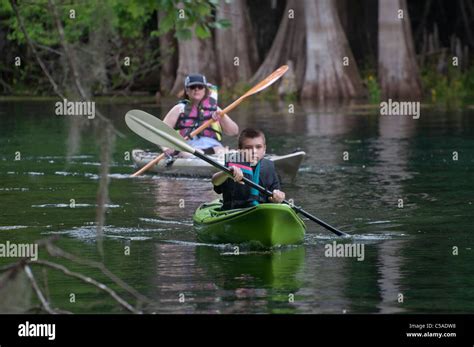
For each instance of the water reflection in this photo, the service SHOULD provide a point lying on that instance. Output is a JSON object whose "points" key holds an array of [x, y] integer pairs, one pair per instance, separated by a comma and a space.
{"points": [[205, 279], [390, 262], [175, 278], [178, 198], [254, 282], [272, 269], [388, 174], [326, 282]]}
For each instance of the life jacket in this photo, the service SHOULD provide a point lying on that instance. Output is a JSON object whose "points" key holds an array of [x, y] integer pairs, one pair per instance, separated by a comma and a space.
{"points": [[193, 117], [253, 174], [241, 196]]}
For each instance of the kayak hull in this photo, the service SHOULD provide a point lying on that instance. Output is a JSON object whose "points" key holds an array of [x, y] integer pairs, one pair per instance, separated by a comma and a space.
{"points": [[286, 165], [268, 225]]}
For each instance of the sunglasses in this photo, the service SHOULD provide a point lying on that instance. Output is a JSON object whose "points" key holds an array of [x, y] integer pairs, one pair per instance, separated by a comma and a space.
{"points": [[197, 86]]}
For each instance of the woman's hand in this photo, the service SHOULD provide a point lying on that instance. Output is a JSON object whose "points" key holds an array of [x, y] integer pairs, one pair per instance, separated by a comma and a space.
{"points": [[169, 152], [229, 127], [215, 116], [277, 197]]}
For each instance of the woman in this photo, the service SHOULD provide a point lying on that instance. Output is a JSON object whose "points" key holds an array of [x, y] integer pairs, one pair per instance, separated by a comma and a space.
{"points": [[199, 106]]}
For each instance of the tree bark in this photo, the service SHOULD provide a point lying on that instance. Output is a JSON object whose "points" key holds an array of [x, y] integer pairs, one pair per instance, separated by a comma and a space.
{"points": [[397, 67], [331, 70], [235, 43], [289, 43], [195, 56], [168, 57], [466, 21]]}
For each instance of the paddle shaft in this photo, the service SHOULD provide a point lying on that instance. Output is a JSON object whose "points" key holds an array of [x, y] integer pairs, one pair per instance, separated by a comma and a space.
{"points": [[269, 193], [229, 108], [317, 220]]}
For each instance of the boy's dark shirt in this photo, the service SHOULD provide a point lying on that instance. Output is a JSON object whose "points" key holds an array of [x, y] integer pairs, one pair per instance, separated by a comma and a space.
{"points": [[237, 195]]}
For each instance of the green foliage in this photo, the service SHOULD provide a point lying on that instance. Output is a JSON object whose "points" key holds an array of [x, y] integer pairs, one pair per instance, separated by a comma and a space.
{"points": [[221, 24], [79, 19], [123, 25], [185, 16], [37, 20], [373, 87], [127, 17], [202, 31], [131, 16], [451, 89], [5, 8]]}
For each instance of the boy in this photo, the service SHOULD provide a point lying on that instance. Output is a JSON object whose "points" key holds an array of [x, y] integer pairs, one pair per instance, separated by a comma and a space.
{"points": [[261, 171]]}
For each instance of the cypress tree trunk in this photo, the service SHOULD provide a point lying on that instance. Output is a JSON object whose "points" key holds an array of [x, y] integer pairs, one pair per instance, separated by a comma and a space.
{"points": [[195, 56], [289, 44], [168, 56], [331, 70], [397, 67], [236, 48]]}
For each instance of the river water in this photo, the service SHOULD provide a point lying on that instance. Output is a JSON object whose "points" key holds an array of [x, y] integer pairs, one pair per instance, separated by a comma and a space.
{"points": [[402, 187]]}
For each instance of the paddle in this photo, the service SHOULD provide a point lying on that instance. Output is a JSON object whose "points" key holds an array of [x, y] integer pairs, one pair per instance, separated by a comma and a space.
{"points": [[157, 132], [269, 80]]}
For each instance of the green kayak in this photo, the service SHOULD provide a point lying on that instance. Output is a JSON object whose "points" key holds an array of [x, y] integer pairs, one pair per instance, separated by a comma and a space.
{"points": [[267, 224]]}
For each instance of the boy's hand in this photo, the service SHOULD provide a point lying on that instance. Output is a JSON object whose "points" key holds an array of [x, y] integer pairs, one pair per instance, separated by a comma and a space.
{"points": [[238, 175], [277, 197]]}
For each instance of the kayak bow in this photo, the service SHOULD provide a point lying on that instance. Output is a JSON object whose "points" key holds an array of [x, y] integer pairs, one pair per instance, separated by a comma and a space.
{"points": [[268, 224]]}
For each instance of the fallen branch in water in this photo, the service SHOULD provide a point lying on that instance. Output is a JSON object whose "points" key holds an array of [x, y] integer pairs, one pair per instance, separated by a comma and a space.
{"points": [[56, 251], [88, 280], [39, 293], [24, 264]]}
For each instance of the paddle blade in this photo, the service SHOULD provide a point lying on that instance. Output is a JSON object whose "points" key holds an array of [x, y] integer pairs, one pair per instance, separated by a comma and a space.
{"points": [[155, 131], [269, 80]]}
